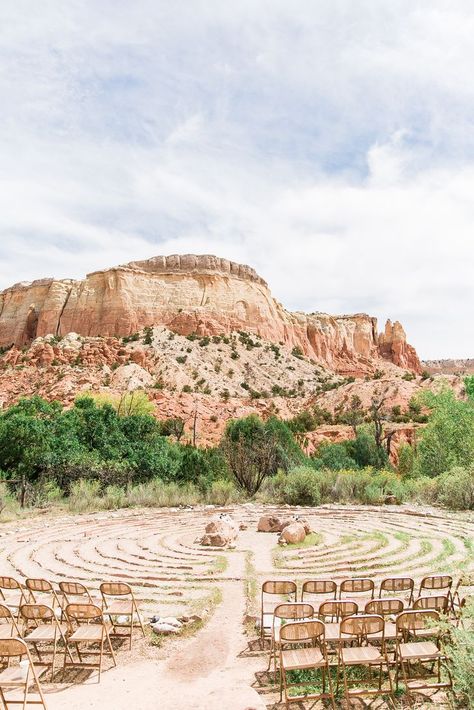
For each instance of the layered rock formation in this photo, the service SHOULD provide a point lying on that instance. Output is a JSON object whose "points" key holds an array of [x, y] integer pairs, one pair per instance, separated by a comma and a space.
{"points": [[202, 294]]}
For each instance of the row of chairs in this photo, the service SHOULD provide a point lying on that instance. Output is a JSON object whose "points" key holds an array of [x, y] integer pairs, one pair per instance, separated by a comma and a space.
{"points": [[329, 589], [38, 622], [303, 646], [116, 601]]}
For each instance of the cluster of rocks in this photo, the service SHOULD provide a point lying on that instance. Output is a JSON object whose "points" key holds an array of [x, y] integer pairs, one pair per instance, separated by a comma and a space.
{"points": [[292, 530], [221, 531], [172, 625]]}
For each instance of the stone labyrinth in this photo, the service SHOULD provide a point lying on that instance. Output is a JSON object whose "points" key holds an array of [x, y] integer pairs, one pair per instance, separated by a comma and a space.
{"points": [[157, 550]]}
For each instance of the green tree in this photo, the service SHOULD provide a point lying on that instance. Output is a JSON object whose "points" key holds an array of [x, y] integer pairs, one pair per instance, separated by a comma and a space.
{"points": [[448, 438], [255, 449]]}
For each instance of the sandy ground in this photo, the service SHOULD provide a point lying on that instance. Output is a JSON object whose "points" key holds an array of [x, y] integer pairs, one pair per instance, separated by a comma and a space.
{"points": [[204, 673], [156, 551]]}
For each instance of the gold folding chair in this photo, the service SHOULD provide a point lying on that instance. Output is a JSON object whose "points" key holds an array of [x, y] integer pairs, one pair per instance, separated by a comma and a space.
{"points": [[435, 583], [18, 677], [289, 611], [75, 593], [274, 588], [119, 604], [12, 593], [326, 588], [356, 586], [411, 625], [457, 595], [439, 603], [332, 613], [87, 627], [303, 648], [8, 625], [43, 631], [388, 608], [42, 592], [394, 586], [361, 630]]}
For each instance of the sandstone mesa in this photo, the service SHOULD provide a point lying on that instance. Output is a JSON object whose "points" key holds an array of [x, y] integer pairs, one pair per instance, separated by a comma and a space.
{"points": [[202, 294]]}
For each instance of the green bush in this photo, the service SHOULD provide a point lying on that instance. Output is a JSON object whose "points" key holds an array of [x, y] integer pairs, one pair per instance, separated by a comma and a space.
{"points": [[84, 496], [302, 487], [456, 488], [448, 438], [459, 649]]}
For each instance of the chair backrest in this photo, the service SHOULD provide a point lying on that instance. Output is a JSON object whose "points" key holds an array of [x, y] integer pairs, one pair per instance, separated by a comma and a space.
{"points": [[416, 620], [436, 581], [37, 612], [439, 603], [9, 583], [293, 610], [83, 613], [337, 609], [357, 586], [39, 585], [397, 584], [5, 612], [11, 648], [384, 607], [363, 626], [302, 631], [73, 589], [279, 587], [115, 589], [319, 586]]}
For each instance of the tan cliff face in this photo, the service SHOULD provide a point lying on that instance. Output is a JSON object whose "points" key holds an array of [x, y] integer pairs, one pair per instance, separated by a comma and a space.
{"points": [[202, 294]]}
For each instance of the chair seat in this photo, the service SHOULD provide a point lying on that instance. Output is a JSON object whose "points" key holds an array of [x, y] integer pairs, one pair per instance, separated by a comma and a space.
{"points": [[46, 632], [361, 654], [419, 649], [14, 599], [119, 607], [302, 658], [332, 631], [390, 632], [7, 631], [12, 677], [88, 632], [434, 631]]}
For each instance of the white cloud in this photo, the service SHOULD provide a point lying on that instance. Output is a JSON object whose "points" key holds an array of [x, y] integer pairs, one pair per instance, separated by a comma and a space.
{"points": [[329, 145]]}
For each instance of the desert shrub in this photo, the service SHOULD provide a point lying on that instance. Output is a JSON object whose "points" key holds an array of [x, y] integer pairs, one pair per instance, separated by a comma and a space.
{"points": [[136, 402], [469, 386], [456, 488], [160, 494], [406, 457], [459, 648], [302, 487], [334, 457], [421, 489], [222, 492], [114, 497], [364, 450], [84, 496]]}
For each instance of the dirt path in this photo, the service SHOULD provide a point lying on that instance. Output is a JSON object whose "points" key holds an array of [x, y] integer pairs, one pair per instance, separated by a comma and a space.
{"points": [[205, 672]]}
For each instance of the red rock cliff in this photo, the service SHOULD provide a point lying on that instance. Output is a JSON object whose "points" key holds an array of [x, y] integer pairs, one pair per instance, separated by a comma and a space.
{"points": [[203, 294]]}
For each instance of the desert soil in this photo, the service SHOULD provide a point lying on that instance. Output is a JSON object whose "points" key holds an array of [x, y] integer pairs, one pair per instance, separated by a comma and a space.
{"points": [[219, 666]]}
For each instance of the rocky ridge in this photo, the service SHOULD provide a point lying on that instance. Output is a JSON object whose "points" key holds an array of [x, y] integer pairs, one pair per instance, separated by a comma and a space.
{"points": [[188, 294]]}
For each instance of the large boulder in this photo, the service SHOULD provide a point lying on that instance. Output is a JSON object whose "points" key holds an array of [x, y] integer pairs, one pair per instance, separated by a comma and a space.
{"points": [[221, 531], [293, 533], [295, 519], [269, 523]]}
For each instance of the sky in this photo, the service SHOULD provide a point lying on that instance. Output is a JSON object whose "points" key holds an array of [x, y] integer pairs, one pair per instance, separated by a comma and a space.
{"points": [[329, 144]]}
